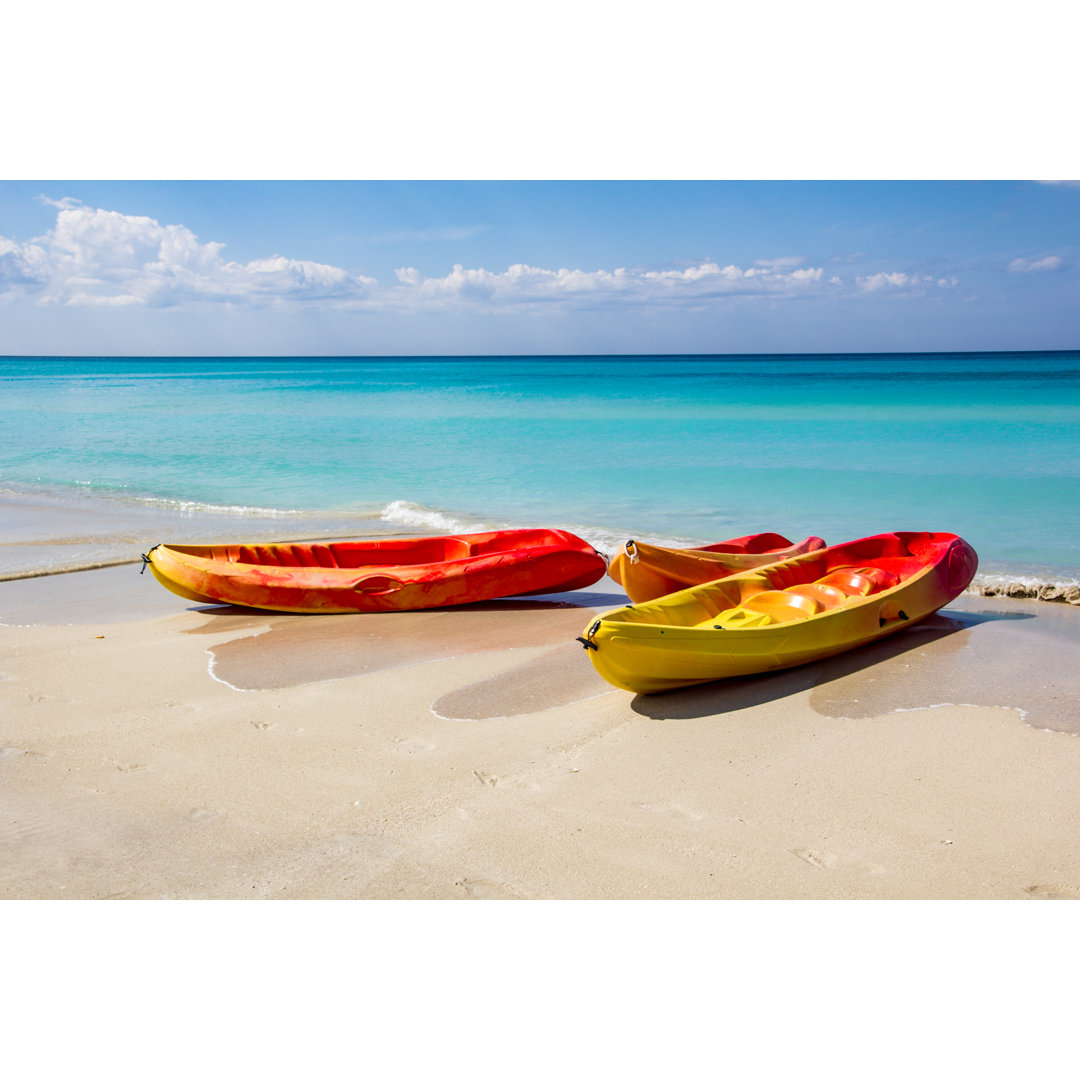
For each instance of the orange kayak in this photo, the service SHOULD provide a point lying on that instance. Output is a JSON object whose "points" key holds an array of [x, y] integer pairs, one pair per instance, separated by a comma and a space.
{"points": [[647, 572], [792, 612], [378, 575]]}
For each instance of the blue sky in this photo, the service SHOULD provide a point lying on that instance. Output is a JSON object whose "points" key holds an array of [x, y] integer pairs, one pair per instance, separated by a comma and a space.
{"points": [[578, 180], [317, 267]]}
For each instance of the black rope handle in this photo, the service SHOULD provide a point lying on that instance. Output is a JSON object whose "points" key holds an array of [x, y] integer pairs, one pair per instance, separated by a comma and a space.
{"points": [[588, 641]]}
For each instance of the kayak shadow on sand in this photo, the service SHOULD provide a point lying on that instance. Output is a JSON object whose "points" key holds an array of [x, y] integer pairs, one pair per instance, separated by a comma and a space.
{"points": [[942, 634], [586, 601], [272, 650]]}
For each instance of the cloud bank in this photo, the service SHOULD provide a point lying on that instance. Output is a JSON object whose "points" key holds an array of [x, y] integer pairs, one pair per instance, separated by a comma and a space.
{"points": [[104, 258], [524, 284]]}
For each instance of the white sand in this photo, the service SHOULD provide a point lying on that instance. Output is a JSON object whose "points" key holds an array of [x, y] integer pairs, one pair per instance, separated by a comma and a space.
{"points": [[455, 756]]}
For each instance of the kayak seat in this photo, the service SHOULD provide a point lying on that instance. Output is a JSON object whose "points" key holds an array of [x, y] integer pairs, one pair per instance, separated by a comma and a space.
{"points": [[783, 605], [887, 578], [828, 596], [883, 579], [861, 580], [766, 608]]}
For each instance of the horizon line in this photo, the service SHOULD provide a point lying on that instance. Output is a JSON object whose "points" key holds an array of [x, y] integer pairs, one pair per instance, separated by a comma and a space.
{"points": [[521, 356]]}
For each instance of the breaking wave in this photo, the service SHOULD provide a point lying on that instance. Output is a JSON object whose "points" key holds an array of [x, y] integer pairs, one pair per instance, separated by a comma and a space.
{"points": [[412, 515]]}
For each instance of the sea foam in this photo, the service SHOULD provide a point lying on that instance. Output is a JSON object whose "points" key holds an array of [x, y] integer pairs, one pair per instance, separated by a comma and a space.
{"points": [[412, 515]]}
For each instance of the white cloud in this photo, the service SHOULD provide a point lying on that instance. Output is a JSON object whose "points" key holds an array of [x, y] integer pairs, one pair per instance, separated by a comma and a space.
{"points": [[705, 271], [1027, 266], [66, 203], [522, 284], [105, 258], [883, 280], [903, 281], [22, 264]]}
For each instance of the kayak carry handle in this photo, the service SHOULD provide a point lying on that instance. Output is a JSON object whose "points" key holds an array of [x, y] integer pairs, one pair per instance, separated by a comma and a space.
{"points": [[887, 617], [377, 583], [146, 558]]}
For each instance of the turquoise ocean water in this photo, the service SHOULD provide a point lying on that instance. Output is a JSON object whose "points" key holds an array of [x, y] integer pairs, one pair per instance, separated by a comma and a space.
{"points": [[678, 449]]}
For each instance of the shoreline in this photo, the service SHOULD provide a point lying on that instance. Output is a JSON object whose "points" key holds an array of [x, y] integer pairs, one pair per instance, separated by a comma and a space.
{"points": [[1057, 592], [43, 533]]}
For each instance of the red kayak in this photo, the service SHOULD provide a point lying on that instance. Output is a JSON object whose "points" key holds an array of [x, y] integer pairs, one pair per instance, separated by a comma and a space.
{"points": [[378, 575], [647, 572]]}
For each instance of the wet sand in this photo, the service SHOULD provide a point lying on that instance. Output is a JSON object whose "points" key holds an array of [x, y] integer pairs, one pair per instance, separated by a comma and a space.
{"points": [[151, 748]]}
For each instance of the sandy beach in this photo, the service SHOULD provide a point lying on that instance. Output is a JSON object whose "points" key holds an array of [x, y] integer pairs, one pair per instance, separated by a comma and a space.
{"points": [[155, 749]]}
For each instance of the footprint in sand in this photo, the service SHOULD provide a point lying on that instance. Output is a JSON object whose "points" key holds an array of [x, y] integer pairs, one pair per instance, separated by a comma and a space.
{"points": [[827, 860], [480, 889], [411, 744], [1052, 892], [671, 809]]}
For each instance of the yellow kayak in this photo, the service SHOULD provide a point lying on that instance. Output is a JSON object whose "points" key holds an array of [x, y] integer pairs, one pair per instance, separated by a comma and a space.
{"points": [[792, 612]]}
